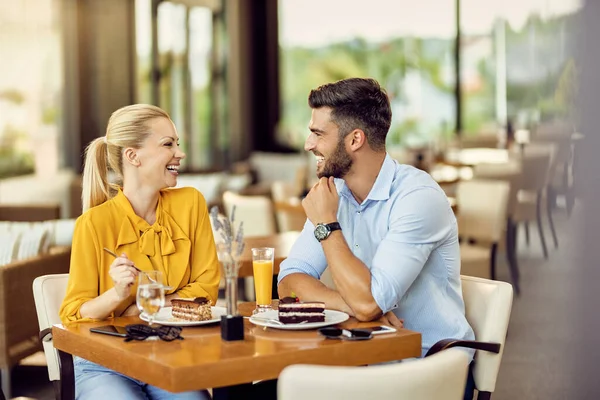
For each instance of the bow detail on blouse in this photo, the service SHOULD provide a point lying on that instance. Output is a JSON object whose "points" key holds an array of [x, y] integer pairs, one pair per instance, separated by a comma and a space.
{"points": [[148, 240]]}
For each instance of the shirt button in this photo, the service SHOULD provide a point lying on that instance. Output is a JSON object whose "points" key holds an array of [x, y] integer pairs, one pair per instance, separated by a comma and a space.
{"points": [[358, 212], [356, 245]]}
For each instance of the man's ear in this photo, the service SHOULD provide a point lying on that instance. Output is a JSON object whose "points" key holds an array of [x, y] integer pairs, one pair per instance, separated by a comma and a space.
{"points": [[357, 139], [131, 157]]}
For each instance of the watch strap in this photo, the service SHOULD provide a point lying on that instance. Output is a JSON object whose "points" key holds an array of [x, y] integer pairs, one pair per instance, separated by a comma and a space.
{"points": [[334, 226]]}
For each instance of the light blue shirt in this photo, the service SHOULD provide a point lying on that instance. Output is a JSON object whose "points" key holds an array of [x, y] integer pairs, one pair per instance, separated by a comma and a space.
{"points": [[405, 232]]}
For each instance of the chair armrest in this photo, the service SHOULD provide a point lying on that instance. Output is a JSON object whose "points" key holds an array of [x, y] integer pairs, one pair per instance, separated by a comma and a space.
{"points": [[470, 344], [46, 335]]}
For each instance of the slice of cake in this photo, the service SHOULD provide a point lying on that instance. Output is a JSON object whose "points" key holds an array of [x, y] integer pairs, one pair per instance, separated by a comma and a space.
{"points": [[294, 311], [197, 309]]}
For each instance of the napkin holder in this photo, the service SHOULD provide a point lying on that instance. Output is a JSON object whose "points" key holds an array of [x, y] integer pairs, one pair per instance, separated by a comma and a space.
{"points": [[232, 327]]}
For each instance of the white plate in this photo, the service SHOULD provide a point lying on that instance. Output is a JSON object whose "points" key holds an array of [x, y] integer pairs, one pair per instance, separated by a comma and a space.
{"points": [[164, 317], [332, 317]]}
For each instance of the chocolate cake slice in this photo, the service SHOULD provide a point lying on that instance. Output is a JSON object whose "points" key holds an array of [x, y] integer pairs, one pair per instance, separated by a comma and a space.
{"points": [[294, 311], [197, 309]]}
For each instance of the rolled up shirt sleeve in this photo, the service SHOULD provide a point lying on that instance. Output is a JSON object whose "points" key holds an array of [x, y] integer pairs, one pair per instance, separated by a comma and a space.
{"points": [[418, 221], [305, 257]]}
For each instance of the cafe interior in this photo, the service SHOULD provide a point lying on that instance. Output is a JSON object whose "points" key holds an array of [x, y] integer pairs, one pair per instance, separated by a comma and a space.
{"points": [[483, 99]]}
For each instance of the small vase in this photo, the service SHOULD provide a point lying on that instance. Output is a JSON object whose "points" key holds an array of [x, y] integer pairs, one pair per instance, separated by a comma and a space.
{"points": [[232, 324], [231, 295]]}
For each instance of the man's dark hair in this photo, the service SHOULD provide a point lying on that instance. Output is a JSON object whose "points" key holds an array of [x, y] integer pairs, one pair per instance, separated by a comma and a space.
{"points": [[356, 103]]}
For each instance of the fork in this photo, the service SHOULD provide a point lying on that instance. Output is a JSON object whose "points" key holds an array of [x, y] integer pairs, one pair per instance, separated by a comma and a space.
{"points": [[139, 270]]}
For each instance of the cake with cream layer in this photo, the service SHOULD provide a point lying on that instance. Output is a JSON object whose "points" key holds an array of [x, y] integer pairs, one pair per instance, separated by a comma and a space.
{"points": [[294, 311], [197, 309]]}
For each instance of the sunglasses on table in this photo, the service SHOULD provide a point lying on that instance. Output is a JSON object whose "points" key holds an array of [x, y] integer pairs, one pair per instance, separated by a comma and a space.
{"points": [[142, 332], [345, 334]]}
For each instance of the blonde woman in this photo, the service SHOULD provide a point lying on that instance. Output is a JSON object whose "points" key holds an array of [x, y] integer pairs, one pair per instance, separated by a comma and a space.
{"points": [[151, 227]]}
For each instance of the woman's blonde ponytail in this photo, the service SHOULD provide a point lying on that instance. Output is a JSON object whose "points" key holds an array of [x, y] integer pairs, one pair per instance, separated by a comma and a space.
{"points": [[95, 174]]}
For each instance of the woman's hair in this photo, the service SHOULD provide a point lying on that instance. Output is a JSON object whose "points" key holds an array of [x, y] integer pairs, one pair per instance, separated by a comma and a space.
{"points": [[127, 127]]}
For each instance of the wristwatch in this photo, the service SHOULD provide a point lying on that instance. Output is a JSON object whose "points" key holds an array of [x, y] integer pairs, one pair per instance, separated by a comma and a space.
{"points": [[322, 231]]}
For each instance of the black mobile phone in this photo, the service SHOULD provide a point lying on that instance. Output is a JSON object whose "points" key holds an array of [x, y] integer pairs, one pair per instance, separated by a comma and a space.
{"points": [[113, 330]]}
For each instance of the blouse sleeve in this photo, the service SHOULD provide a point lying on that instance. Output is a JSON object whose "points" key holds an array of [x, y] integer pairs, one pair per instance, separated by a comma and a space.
{"points": [[83, 282], [205, 270]]}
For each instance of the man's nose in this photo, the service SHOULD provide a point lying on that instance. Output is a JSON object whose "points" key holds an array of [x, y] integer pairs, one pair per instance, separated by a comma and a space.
{"points": [[309, 143]]}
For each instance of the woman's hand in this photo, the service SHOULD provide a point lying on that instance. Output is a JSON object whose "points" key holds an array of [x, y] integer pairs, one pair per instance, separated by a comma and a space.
{"points": [[123, 275]]}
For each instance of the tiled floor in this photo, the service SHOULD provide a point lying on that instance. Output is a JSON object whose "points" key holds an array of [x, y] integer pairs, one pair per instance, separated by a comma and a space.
{"points": [[535, 356]]}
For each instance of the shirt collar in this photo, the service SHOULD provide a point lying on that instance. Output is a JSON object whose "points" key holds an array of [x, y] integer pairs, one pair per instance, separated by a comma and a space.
{"points": [[383, 184]]}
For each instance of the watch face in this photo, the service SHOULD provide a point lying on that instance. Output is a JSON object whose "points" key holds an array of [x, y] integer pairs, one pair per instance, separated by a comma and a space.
{"points": [[321, 232]]}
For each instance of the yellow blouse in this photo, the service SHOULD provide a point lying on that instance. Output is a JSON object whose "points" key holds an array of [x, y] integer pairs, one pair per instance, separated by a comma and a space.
{"points": [[180, 244]]}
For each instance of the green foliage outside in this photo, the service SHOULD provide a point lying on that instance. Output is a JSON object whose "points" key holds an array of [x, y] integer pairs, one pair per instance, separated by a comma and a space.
{"points": [[14, 162], [550, 91], [303, 69]]}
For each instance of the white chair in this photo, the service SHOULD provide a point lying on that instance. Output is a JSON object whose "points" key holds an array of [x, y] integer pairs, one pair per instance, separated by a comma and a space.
{"points": [[561, 171], [255, 211], [270, 167], [210, 185], [487, 307], [259, 220], [288, 208], [49, 292], [536, 161], [440, 377], [510, 172], [482, 218]]}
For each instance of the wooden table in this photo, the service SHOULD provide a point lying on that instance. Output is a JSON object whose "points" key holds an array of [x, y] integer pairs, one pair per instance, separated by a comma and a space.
{"points": [[203, 360], [281, 242]]}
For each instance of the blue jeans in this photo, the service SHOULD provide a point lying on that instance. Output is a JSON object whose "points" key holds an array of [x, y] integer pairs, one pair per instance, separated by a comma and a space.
{"points": [[95, 382]]}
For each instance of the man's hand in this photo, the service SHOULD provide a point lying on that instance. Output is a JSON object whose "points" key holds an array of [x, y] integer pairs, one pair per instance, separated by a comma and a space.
{"points": [[321, 203], [390, 319]]}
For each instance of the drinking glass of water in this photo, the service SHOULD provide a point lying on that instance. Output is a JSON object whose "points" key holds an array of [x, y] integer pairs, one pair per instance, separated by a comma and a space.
{"points": [[150, 294]]}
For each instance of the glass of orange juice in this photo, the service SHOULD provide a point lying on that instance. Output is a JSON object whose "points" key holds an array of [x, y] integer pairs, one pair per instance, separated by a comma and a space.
{"points": [[262, 265]]}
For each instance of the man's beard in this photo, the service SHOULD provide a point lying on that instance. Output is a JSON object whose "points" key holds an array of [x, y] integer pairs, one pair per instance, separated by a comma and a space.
{"points": [[337, 164]]}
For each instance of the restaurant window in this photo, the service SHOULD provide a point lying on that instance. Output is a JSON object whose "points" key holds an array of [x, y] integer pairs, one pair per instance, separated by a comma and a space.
{"points": [[513, 56], [185, 77], [407, 46], [31, 87]]}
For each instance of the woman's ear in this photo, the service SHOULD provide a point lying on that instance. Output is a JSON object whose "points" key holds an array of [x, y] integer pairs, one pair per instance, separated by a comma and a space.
{"points": [[131, 157], [357, 139]]}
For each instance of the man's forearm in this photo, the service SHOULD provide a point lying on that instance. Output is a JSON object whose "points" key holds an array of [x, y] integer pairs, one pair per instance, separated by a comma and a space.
{"points": [[308, 288], [351, 276]]}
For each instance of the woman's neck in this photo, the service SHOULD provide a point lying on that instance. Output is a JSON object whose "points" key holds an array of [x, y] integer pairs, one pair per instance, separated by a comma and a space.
{"points": [[143, 202]]}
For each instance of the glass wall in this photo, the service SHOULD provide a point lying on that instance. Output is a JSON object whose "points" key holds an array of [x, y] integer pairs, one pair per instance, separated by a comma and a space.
{"points": [[31, 87], [407, 46], [185, 79], [516, 62]]}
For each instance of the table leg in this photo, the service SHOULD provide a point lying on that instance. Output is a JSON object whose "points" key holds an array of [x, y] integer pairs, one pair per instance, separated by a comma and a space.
{"points": [[264, 390], [243, 391], [67, 376]]}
